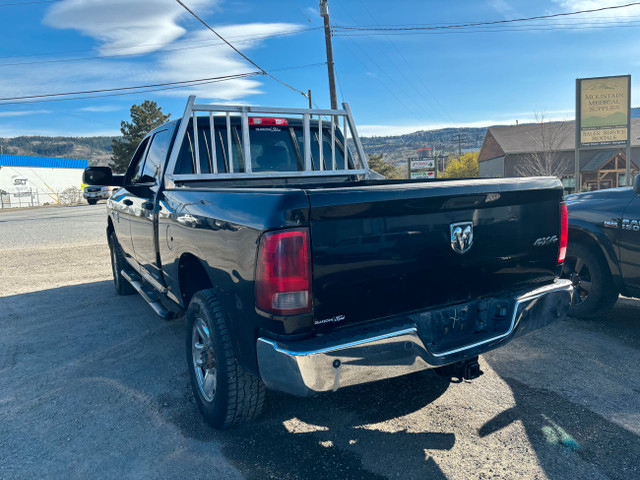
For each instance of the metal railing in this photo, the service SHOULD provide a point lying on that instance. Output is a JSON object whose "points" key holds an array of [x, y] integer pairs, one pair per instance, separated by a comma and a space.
{"points": [[323, 166]]}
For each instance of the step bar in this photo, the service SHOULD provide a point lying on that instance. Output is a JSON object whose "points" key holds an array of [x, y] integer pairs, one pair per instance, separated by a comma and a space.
{"points": [[150, 296]]}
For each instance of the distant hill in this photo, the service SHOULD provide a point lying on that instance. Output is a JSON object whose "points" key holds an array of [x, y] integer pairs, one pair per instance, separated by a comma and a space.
{"points": [[95, 149], [397, 149]]}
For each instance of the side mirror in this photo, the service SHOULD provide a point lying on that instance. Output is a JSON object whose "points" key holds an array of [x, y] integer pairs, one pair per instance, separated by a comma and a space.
{"points": [[636, 184], [101, 176]]}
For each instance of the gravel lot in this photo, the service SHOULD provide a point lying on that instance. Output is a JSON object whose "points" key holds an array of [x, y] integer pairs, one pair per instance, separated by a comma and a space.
{"points": [[93, 385]]}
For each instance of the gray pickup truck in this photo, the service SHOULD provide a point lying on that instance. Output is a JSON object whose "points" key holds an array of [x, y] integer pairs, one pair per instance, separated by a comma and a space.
{"points": [[302, 271]]}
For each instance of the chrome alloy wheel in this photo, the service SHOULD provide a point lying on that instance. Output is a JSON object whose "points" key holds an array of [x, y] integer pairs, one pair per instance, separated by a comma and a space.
{"points": [[204, 359], [576, 270]]}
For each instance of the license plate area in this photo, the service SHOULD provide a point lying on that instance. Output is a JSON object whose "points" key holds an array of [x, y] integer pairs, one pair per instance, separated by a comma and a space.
{"points": [[457, 326]]}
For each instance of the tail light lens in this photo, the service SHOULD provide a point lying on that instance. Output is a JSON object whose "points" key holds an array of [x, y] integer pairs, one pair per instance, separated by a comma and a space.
{"points": [[564, 232], [283, 273]]}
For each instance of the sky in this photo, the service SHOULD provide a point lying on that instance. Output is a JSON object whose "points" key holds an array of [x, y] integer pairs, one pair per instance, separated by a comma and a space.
{"points": [[395, 81]]}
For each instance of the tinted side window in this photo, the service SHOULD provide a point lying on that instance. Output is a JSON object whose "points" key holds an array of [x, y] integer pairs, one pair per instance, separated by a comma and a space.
{"points": [[187, 158], [135, 167], [155, 158]]}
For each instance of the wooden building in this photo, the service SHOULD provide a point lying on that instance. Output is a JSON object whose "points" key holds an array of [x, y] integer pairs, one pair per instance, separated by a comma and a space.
{"points": [[549, 149]]}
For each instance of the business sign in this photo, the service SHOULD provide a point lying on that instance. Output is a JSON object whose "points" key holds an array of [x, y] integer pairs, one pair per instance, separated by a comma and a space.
{"points": [[603, 111], [426, 164], [20, 186], [426, 174], [423, 167]]}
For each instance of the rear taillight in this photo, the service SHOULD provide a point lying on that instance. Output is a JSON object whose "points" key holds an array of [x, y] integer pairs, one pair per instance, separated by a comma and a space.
{"points": [[283, 273], [564, 232]]}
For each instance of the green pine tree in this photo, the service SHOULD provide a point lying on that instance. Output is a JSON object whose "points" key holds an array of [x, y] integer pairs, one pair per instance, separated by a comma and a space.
{"points": [[377, 164], [144, 118]]}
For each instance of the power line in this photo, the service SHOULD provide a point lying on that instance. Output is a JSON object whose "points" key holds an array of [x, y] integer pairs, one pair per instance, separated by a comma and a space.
{"points": [[444, 24], [48, 95], [262, 70], [28, 97], [494, 22], [409, 107], [547, 28], [47, 98], [50, 100], [415, 74]]}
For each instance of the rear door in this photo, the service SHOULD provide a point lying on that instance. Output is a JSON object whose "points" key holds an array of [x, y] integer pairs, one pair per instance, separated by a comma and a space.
{"points": [[630, 246], [145, 186]]}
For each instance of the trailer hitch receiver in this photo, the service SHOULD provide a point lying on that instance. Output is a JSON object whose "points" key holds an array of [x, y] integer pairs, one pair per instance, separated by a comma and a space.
{"points": [[466, 370]]}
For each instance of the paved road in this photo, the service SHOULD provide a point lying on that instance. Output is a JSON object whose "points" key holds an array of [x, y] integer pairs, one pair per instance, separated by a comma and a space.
{"points": [[93, 385]]}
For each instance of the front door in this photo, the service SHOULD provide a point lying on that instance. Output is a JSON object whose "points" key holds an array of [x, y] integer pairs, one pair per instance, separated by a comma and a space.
{"points": [[122, 201], [143, 221]]}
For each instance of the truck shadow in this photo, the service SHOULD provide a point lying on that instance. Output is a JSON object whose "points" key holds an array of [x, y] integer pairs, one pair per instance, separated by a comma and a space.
{"points": [[334, 435], [96, 341]]}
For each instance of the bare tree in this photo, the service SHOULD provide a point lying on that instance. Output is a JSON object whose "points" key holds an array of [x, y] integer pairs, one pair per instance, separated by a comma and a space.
{"points": [[546, 158]]}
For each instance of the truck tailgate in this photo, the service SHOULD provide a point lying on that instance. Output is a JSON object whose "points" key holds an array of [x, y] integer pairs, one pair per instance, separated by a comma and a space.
{"points": [[385, 250]]}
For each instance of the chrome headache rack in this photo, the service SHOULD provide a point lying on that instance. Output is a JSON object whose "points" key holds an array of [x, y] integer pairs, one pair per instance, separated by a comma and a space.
{"points": [[324, 118]]}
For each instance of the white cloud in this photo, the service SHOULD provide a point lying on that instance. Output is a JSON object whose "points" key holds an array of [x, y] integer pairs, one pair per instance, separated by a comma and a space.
{"points": [[508, 119], [504, 8], [126, 26], [143, 27], [217, 60], [617, 14], [11, 132], [101, 108], [24, 113], [50, 78]]}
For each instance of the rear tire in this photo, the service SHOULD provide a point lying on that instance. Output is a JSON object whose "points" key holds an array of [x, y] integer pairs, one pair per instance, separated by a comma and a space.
{"points": [[226, 394], [594, 290], [118, 263], [91, 201]]}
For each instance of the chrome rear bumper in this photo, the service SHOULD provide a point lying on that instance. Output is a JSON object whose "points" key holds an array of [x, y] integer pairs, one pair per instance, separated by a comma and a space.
{"points": [[334, 361]]}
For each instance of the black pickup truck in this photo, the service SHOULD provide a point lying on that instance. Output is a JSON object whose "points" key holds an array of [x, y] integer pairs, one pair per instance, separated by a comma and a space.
{"points": [[302, 271], [603, 254]]}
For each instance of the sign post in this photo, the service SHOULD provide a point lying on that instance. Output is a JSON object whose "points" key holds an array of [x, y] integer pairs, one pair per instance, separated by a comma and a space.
{"points": [[603, 117]]}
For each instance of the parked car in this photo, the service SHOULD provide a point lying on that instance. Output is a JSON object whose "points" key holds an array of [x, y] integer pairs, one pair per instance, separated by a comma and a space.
{"points": [[93, 193], [300, 270], [603, 253]]}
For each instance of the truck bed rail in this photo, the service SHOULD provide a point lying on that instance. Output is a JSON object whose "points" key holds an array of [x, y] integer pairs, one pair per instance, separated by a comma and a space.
{"points": [[244, 112]]}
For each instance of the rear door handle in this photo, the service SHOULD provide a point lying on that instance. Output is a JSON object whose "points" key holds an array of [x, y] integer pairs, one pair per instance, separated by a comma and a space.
{"points": [[128, 202]]}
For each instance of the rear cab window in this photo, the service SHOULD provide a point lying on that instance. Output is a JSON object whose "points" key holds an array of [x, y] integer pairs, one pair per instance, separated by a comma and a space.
{"points": [[273, 149]]}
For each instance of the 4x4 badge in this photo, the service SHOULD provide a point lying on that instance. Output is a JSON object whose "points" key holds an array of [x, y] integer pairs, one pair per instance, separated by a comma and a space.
{"points": [[461, 236]]}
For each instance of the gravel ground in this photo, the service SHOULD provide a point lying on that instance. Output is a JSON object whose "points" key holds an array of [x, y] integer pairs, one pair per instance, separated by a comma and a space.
{"points": [[93, 385]]}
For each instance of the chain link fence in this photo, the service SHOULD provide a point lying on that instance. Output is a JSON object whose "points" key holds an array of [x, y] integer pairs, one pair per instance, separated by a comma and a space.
{"points": [[33, 197]]}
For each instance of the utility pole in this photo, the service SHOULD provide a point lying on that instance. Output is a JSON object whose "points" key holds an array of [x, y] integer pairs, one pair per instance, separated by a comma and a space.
{"points": [[324, 13], [459, 146]]}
